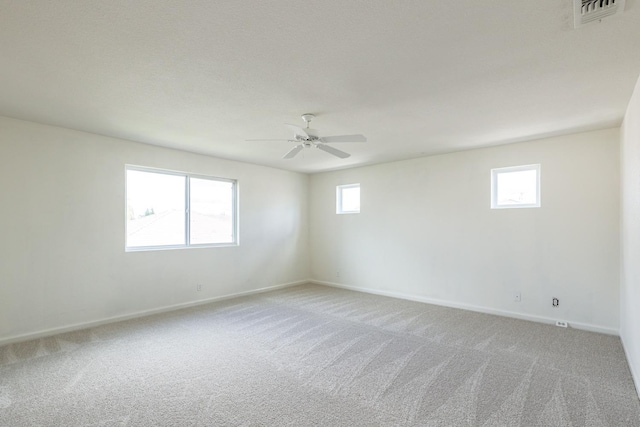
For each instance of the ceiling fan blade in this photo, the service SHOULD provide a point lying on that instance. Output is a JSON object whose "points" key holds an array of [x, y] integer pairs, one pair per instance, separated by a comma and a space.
{"points": [[292, 153], [333, 151], [298, 130], [344, 138], [252, 140]]}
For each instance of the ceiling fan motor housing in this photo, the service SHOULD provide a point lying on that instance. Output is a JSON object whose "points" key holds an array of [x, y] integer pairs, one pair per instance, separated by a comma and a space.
{"points": [[313, 134]]}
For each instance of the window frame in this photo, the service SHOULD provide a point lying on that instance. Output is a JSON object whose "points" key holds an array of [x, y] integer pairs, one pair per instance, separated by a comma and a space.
{"points": [[187, 204], [494, 186], [339, 189]]}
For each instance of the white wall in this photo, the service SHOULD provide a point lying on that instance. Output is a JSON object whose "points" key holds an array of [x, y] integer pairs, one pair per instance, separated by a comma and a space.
{"points": [[62, 257], [630, 236], [426, 231]]}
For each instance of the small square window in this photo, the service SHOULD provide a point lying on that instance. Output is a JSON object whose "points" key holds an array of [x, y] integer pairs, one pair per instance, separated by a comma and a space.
{"points": [[515, 187], [348, 199]]}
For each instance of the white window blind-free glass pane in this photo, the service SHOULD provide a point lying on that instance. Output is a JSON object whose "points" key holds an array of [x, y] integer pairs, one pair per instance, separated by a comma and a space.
{"points": [[351, 199], [517, 188], [211, 211], [155, 209]]}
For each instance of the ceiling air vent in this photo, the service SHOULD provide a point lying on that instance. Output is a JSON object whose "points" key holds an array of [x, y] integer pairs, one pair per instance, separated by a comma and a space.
{"points": [[586, 11]]}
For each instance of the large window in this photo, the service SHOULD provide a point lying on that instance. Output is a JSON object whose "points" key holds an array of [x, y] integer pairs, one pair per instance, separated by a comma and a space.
{"points": [[515, 187], [174, 210], [348, 199]]}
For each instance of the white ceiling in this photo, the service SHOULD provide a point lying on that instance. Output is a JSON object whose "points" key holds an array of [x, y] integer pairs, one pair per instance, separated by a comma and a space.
{"points": [[416, 77]]}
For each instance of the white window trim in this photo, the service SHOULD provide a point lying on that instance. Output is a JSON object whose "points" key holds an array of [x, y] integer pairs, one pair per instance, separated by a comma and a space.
{"points": [[339, 189], [187, 206], [494, 186]]}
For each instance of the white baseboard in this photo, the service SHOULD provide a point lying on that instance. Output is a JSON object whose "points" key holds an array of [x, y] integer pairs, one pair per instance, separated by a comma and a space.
{"points": [[104, 321], [444, 303], [634, 374], [453, 304]]}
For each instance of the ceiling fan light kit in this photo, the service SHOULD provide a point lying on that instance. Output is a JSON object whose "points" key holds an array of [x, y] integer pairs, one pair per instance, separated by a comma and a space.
{"points": [[309, 138]]}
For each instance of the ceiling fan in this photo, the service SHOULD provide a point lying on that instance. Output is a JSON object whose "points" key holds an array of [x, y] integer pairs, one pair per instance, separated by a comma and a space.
{"points": [[309, 138]]}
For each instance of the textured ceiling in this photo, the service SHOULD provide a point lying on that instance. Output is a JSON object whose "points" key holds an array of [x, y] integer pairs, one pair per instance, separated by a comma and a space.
{"points": [[416, 77]]}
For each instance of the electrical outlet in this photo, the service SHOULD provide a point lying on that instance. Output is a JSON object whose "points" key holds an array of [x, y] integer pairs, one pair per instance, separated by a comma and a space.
{"points": [[198, 288], [555, 302], [337, 274], [517, 297], [561, 323]]}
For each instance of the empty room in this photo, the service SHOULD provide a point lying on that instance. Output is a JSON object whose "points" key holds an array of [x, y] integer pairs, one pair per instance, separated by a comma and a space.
{"points": [[336, 213]]}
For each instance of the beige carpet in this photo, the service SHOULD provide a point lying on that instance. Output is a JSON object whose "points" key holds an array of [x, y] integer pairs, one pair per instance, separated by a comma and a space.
{"points": [[313, 355]]}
